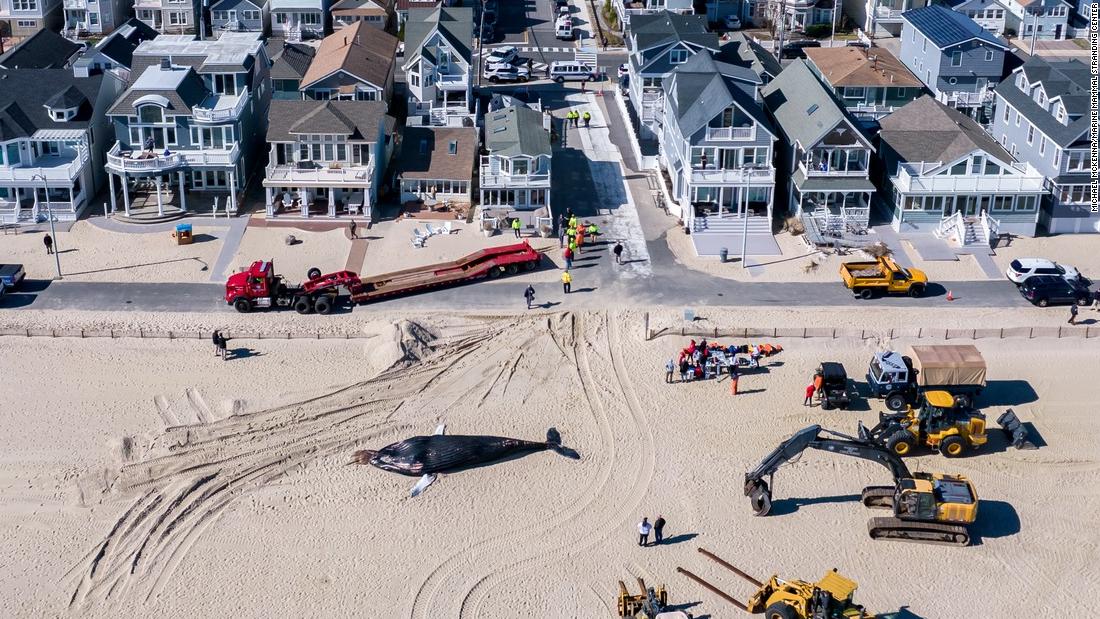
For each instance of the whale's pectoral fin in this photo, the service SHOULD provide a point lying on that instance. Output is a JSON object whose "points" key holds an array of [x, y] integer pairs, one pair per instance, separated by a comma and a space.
{"points": [[423, 484], [441, 428]]}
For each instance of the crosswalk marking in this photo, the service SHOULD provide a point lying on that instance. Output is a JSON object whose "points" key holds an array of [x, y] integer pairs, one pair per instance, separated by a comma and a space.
{"points": [[529, 50]]}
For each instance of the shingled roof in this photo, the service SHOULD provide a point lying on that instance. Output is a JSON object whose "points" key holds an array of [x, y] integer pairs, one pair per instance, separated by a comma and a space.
{"points": [[927, 130], [434, 160], [1064, 80], [454, 23], [516, 130], [804, 108], [26, 95], [358, 120], [945, 27], [360, 50], [857, 66], [44, 49], [699, 90]]}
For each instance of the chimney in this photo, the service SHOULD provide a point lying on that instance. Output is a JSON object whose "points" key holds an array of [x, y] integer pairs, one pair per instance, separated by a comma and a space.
{"points": [[166, 63]]}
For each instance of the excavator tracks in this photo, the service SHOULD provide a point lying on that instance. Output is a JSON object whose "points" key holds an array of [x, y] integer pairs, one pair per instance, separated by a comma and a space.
{"points": [[920, 532], [878, 497]]}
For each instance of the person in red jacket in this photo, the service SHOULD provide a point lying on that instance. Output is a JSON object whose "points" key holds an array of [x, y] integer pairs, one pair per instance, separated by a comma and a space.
{"points": [[809, 395]]}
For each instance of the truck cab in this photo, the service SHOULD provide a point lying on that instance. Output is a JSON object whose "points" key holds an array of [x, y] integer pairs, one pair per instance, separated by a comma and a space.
{"points": [[888, 377], [257, 286]]}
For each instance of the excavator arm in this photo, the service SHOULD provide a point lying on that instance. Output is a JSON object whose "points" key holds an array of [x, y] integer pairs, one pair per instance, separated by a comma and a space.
{"points": [[759, 490]]}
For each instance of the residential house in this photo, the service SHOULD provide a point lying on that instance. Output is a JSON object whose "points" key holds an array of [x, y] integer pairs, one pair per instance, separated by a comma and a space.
{"points": [[439, 64], [871, 83], [289, 63], [716, 146], [326, 157], [193, 119], [437, 164], [993, 15], [743, 51], [114, 53], [1080, 18], [1042, 117], [94, 17], [515, 174], [22, 18], [401, 8], [169, 16], [238, 16], [52, 132], [657, 43], [882, 18], [295, 20], [44, 49], [824, 154], [797, 15], [354, 63], [1043, 19], [376, 13], [629, 9], [942, 173], [957, 59]]}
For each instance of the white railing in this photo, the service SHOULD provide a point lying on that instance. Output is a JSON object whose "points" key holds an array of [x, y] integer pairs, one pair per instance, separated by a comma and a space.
{"points": [[733, 175], [125, 162], [76, 4], [990, 227], [625, 13], [451, 81], [809, 171], [502, 179], [871, 109], [293, 34], [885, 12], [215, 115], [909, 181], [652, 96], [64, 172], [291, 173], [147, 4], [966, 99], [731, 133], [951, 226]]}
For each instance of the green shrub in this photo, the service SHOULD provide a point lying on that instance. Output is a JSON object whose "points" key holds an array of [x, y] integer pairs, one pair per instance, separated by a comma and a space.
{"points": [[818, 31]]}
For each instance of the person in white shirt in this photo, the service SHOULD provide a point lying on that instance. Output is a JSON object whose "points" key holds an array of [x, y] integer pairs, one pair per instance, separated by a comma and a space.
{"points": [[643, 532]]}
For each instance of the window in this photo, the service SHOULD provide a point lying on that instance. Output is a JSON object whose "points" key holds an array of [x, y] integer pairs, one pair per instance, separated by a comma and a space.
{"points": [[220, 16], [959, 169], [281, 18], [452, 147], [25, 5], [989, 55], [924, 44], [952, 81], [1078, 160], [93, 19], [311, 19], [1004, 140], [956, 59], [225, 83], [1057, 157], [252, 15], [26, 23], [1060, 113], [1040, 98], [999, 13], [855, 92], [991, 168], [1030, 134], [1025, 203], [1042, 146], [1002, 203], [1005, 118], [914, 203], [151, 114], [678, 56], [177, 18], [1018, 115]]}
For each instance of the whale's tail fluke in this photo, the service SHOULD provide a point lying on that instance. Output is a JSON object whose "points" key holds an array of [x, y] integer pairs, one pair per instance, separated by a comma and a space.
{"points": [[553, 442]]}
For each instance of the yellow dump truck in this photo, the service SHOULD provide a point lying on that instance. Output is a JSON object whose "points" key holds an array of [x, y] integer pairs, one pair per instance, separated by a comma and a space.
{"points": [[884, 276]]}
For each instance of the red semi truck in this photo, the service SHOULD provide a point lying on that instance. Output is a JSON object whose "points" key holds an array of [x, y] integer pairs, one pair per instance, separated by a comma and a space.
{"points": [[260, 287]]}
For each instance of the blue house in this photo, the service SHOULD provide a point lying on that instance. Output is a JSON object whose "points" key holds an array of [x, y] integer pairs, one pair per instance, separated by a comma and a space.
{"points": [[958, 60]]}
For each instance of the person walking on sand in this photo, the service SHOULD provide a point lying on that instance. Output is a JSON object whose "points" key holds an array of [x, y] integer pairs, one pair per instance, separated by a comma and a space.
{"points": [[1073, 314], [351, 229], [48, 242], [515, 226], [809, 395], [734, 376], [566, 281], [529, 294], [670, 367], [568, 255], [618, 251], [643, 531], [659, 529]]}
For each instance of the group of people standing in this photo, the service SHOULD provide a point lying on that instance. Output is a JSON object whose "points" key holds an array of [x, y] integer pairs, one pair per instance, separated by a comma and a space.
{"points": [[220, 344], [657, 527], [573, 117]]}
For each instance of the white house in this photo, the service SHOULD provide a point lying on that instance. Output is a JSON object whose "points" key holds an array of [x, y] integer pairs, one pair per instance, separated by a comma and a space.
{"points": [[439, 64], [515, 175]]}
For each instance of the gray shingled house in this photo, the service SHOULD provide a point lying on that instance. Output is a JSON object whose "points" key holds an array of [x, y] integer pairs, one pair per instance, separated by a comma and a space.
{"points": [[515, 174]]}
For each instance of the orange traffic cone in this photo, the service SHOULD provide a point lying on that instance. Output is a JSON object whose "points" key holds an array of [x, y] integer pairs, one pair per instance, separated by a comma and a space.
{"points": [[950, 297]]}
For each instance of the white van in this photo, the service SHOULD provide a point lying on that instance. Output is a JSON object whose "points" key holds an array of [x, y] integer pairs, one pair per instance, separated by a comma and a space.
{"points": [[564, 29], [562, 70]]}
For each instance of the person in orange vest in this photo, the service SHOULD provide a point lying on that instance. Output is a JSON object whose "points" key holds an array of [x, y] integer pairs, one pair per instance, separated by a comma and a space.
{"points": [[819, 380], [579, 240]]}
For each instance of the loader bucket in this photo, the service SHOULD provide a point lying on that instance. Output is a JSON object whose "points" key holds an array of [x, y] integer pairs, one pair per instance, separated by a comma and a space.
{"points": [[1016, 431]]}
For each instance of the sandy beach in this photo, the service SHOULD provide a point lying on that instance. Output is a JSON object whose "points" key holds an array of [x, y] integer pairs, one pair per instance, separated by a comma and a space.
{"points": [[149, 476]]}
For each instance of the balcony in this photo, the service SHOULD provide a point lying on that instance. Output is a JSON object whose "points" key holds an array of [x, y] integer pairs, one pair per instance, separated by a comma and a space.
{"points": [[731, 133], [812, 171], [54, 168], [500, 178], [628, 9], [910, 179], [452, 81], [733, 176], [138, 162], [966, 99], [76, 4], [888, 15], [147, 4], [310, 174], [220, 108]]}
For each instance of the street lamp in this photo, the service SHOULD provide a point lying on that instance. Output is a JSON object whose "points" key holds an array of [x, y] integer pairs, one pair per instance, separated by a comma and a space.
{"points": [[49, 214]]}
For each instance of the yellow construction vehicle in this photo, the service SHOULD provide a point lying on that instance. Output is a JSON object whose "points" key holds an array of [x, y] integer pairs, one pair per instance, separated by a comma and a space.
{"points": [[928, 507], [649, 604], [828, 598], [938, 422]]}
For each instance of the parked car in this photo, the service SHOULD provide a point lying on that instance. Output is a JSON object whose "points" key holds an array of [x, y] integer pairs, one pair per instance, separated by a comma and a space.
{"points": [[858, 43], [567, 70], [11, 275], [732, 22], [506, 73], [488, 34], [564, 29], [1023, 268], [1044, 290], [797, 49], [502, 55]]}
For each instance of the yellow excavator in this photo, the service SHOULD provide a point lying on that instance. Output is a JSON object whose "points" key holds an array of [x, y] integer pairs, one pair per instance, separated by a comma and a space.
{"points": [[932, 508], [828, 598], [938, 422]]}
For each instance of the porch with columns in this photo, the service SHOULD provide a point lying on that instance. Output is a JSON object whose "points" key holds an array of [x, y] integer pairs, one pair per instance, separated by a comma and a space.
{"points": [[153, 197]]}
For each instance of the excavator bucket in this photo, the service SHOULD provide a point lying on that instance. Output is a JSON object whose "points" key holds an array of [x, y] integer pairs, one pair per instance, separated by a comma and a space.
{"points": [[1016, 430]]}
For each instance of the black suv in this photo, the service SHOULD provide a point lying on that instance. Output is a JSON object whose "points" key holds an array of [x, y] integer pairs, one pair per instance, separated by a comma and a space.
{"points": [[1042, 290], [797, 49]]}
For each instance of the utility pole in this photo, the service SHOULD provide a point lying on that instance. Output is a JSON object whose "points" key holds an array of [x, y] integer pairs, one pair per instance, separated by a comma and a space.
{"points": [[1034, 30], [481, 45], [836, 11], [49, 213], [781, 27]]}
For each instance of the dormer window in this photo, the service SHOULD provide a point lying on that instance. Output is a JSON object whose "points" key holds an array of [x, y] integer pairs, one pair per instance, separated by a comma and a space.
{"points": [[678, 56], [62, 115], [1021, 81], [151, 114], [1060, 112], [1040, 98]]}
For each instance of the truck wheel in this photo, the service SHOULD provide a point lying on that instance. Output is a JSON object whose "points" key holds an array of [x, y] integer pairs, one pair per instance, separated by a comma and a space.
{"points": [[242, 305], [323, 305], [901, 442], [301, 305], [916, 292], [513, 269], [1042, 302], [494, 272], [780, 610], [866, 293], [530, 265], [952, 446], [313, 273], [761, 500], [895, 402], [962, 401]]}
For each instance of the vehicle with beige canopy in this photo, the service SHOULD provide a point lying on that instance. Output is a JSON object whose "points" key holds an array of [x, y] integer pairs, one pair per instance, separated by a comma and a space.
{"points": [[958, 369]]}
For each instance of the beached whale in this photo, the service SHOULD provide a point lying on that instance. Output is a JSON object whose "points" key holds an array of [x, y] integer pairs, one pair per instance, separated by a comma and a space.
{"points": [[428, 456]]}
